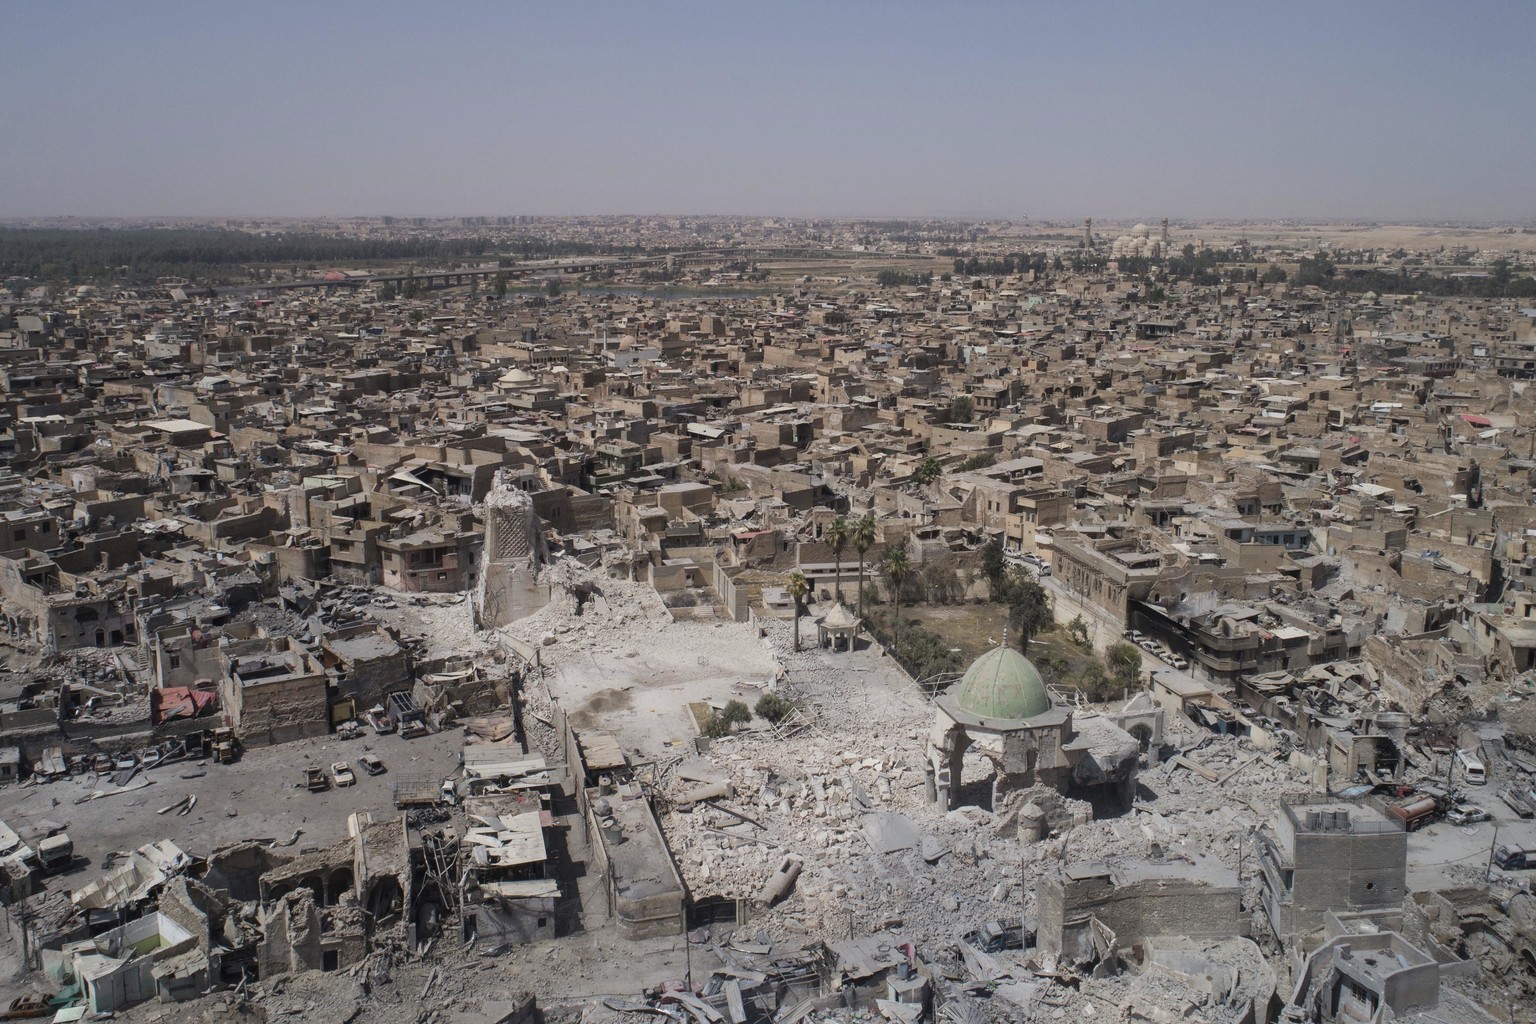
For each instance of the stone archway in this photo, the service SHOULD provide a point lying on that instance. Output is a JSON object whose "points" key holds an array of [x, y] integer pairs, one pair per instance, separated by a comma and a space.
{"points": [[386, 901], [340, 883]]}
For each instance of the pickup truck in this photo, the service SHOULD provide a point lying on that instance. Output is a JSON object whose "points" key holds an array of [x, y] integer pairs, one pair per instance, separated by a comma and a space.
{"points": [[1514, 858], [315, 780]]}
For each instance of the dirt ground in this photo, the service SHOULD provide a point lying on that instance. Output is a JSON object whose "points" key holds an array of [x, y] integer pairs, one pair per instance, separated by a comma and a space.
{"points": [[640, 689], [973, 628]]}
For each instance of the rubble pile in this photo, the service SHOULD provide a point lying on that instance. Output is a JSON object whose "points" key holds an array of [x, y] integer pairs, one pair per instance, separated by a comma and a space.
{"points": [[833, 693], [590, 607]]}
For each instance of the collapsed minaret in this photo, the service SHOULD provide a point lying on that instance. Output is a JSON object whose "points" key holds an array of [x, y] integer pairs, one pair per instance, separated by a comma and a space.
{"points": [[513, 551]]}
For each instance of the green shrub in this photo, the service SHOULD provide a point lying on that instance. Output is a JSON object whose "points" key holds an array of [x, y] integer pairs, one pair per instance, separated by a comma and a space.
{"points": [[771, 707]]}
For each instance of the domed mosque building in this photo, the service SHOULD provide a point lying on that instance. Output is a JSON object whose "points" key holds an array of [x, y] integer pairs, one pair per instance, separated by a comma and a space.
{"points": [[1002, 707], [1139, 242]]}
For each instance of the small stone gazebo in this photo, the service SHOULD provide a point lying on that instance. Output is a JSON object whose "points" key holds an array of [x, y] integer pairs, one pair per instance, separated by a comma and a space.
{"points": [[840, 626], [1003, 708]]}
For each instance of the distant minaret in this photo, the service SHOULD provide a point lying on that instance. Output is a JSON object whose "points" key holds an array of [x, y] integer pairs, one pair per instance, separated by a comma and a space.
{"points": [[1165, 232], [1088, 233]]}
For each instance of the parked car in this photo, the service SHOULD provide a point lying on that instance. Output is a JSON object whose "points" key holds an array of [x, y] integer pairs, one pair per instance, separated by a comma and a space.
{"points": [[996, 936], [1466, 814], [341, 774], [1178, 663], [1135, 636], [1147, 645], [371, 764], [28, 1007]]}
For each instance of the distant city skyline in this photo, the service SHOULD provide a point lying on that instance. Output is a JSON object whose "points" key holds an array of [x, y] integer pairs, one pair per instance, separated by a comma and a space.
{"points": [[1360, 111]]}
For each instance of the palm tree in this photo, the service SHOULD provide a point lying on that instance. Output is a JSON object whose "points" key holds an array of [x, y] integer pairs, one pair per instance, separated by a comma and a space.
{"points": [[862, 534], [799, 587], [896, 568], [837, 536]]}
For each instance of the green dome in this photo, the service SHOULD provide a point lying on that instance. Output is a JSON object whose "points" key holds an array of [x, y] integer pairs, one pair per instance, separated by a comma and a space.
{"points": [[1002, 684]]}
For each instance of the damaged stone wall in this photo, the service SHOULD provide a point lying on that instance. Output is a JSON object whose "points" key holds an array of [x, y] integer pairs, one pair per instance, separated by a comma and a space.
{"points": [[1150, 902]]}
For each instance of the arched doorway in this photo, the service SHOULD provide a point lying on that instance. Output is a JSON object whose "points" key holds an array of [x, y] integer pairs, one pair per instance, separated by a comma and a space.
{"points": [[385, 902], [341, 882]]}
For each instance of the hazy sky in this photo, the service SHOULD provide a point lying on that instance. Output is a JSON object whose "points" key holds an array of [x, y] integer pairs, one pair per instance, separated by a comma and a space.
{"points": [[1340, 109]]}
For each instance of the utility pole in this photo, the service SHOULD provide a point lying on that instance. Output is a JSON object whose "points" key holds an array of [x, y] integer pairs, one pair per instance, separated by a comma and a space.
{"points": [[1488, 874]]}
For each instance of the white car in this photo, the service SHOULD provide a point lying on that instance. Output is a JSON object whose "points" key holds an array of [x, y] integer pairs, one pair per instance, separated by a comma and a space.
{"points": [[341, 774], [1466, 814]]}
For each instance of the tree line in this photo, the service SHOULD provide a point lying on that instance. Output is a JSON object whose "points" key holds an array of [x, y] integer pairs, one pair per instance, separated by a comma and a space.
{"points": [[1499, 282], [140, 255], [897, 279], [1013, 263]]}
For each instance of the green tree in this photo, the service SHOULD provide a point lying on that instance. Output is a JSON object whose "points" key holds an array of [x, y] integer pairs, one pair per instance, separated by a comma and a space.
{"points": [[994, 567], [1317, 270], [862, 535], [928, 471], [896, 567], [500, 287], [773, 707], [1077, 631], [798, 588], [1093, 681], [552, 288], [1273, 275], [1124, 661], [1501, 276], [736, 712], [981, 461], [724, 721], [961, 409], [837, 535], [1029, 607]]}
